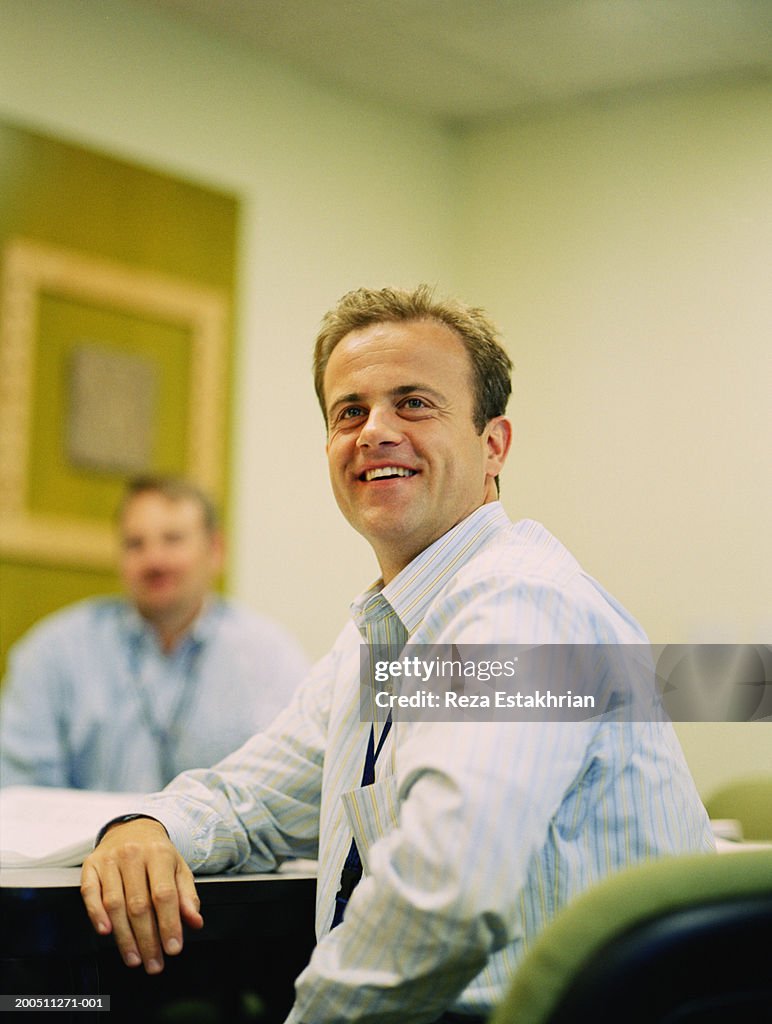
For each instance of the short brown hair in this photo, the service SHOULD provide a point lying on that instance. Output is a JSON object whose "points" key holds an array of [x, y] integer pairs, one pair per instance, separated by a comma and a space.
{"points": [[175, 488], [491, 366]]}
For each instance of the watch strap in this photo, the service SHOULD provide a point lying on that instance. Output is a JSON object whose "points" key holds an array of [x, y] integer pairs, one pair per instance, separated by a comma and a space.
{"points": [[120, 820]]}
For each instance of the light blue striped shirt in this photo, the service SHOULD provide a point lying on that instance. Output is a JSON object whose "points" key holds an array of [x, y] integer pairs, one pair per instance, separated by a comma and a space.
{"points": [[474, 834]]}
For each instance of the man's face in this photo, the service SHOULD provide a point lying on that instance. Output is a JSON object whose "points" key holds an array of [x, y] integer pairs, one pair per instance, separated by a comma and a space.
{"points": [[406, 462], [168, 558]]}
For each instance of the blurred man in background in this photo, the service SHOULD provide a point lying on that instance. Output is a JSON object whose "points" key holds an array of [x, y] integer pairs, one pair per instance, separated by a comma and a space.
{"points": [[125, 693]]}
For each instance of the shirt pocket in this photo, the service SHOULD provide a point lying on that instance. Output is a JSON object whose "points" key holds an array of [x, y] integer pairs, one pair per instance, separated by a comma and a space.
{"points": [[372, 812]]}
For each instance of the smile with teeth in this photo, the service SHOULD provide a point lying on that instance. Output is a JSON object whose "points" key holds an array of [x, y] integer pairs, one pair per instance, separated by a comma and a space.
{"points": [[383, 472]]}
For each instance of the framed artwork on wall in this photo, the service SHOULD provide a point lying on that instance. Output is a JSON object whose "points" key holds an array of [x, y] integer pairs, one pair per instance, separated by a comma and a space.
{"points": [[106, 370]]}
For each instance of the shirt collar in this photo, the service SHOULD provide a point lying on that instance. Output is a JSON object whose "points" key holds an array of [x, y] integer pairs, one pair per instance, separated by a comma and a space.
{"points": [[411, 592], [200, 630]]}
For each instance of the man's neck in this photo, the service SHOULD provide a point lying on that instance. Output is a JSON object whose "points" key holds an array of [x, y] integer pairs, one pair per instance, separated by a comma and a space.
{"points": [[172, 629], [392, 563]]}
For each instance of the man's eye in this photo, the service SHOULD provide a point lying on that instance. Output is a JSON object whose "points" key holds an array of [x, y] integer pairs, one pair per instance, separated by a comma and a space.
{"points": [[351, 412], [414, 403]]}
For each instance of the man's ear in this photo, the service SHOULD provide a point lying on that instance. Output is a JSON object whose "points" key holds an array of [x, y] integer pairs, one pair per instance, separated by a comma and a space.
{"points": [[217, 540], [498, 440]]}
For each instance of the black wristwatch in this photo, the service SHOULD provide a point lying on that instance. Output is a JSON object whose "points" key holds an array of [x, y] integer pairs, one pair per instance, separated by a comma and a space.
{"points": [[120, 821]]}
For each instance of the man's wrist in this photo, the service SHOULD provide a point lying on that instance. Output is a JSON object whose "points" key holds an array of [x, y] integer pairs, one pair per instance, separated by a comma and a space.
{"points": [[120, 820]]}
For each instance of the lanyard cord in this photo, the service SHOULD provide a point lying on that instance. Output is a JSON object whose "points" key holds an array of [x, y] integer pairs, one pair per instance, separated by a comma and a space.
{"points": [[166, 734]]}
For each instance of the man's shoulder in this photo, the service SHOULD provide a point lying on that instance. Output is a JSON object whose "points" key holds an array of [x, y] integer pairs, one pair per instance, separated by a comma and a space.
{"points": [[527, 582], [236, 615], [81, 616], [521, 551], [71, 632], [240, 624]]}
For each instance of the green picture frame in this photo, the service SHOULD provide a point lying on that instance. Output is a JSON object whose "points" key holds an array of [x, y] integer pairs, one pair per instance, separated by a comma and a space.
{"points": [[69, 321]]}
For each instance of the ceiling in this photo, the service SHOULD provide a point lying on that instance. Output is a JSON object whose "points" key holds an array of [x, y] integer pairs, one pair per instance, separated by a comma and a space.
{"points": [[463, 61]]}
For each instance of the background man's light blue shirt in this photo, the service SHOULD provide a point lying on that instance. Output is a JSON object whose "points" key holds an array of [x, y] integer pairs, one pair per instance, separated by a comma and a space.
{"points": [[92, 702]]}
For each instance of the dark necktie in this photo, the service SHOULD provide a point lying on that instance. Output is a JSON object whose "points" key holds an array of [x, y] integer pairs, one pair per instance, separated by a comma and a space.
{"points": [[352, 869]]}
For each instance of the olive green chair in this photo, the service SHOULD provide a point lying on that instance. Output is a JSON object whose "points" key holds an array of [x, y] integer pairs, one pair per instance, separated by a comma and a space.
{"points": [[749, 801], [683, 940]]}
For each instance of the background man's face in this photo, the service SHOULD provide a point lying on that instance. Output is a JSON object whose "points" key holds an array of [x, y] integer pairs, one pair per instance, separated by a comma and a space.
{"points": [[406, 462], [168, 558]]}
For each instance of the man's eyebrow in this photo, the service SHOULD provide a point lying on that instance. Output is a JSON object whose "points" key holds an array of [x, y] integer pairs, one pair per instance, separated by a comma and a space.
{"points": [[409, 389], [353, 396]]}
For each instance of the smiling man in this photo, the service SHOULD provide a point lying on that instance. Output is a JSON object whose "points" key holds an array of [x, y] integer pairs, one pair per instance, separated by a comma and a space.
{"points": [[406, 460], [444, 846], [123, 694]]}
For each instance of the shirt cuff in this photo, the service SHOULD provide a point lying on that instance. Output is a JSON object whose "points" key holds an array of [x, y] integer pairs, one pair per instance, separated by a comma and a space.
{"points": [[178, 828]]}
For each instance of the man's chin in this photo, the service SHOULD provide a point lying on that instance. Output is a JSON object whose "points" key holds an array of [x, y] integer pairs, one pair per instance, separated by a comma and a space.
{"points": [[395, 537], [155, 609], [375, 524]]}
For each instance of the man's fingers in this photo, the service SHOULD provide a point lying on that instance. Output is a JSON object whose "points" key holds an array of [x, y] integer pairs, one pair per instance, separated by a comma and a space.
{"points": [[106, 876], [91, 893], [169, 891], [190, 904], [148, 882]]}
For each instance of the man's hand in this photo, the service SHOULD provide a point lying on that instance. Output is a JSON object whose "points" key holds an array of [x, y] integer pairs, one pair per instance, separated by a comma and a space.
{"points": [[137, 886]]}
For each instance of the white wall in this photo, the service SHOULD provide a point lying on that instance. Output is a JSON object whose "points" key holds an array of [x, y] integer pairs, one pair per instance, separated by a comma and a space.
{"points": [[336, 194], [625, 248]]}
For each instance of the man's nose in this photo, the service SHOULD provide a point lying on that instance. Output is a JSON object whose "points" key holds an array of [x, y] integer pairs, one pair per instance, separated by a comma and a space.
{"points": [[383, 426], [152, 553]]}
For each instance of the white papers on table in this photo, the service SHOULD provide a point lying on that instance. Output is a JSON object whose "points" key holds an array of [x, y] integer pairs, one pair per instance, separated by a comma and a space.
{"points": [[43, 826]]}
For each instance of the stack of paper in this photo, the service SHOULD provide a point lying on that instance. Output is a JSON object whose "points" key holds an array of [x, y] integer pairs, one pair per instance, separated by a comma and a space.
{"points": [[41, 826]]}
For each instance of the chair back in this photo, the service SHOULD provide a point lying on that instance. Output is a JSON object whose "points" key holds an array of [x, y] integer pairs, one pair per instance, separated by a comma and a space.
{"points": [[683, 940]]}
